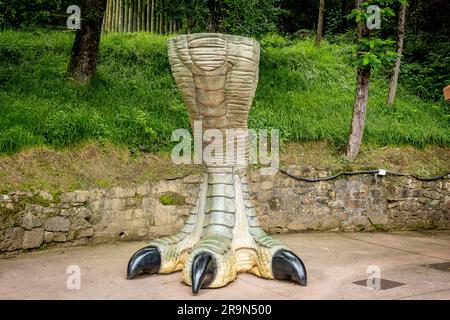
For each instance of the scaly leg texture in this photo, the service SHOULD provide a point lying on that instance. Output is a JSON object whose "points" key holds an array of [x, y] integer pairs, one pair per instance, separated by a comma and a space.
{"points": [[217, 75], [221, 238]]}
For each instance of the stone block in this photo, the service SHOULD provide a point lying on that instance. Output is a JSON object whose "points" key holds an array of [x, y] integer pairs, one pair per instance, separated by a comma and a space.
{"points": [[30, 221], [48, 236], [12, 239], [57, 224], [33, 238]]}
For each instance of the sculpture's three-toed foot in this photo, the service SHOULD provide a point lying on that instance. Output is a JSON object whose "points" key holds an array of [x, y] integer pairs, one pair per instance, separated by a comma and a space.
{"points": [[286, 265]]}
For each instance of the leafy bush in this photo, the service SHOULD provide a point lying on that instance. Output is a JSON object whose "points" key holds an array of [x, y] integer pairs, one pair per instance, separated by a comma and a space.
{"points": [[25, 13], [427, 64]]}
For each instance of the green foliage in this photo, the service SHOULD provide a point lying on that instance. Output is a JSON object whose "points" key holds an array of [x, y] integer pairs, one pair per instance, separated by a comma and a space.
{"points": [[371, 50], [374, 52], [253, 18], [304, 91], [25, 13], [242, 17], [426, 64]]}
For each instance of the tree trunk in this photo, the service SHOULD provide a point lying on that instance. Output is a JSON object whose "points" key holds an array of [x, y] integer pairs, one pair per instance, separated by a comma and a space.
{"points": [[103, 21], [113, 20], [161, 3], [152, 20], [125, 16], [121, 15], [142, 16], [138, 15], [359, 112], [117, 15], [320, 23], [83, 59], [134, 16], [396, 68], [147, 17], [130, 16], [361, 97], [108, 16]]}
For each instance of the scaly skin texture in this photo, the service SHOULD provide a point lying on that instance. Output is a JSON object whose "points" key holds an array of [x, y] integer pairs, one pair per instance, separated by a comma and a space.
{"points": [[217, 75]]}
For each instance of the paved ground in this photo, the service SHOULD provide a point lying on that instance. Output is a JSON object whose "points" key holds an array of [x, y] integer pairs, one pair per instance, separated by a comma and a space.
{"points": [[334, 261]]}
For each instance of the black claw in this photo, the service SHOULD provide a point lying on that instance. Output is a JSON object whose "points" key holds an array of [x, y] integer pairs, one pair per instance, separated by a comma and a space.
{"points": [[203, 271], [287, 266], [147, 259]]}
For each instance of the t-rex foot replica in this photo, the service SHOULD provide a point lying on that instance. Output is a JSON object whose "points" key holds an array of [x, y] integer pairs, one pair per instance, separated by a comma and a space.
{"points": [[217, 75]]}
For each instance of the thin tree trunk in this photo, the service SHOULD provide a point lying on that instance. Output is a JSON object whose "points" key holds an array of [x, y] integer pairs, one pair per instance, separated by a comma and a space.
{"points": [[118, 16], [166, 24], [110, 17], [361, 97], [84, 55], [152, 17], [320, 23], [138, 15], [107, 15], [130, 16], [161, 2], [396, 68], [113, 10], [125, 16], [135, 10], [103, 20], [142, 16], [121, 15], [147, 17], [115, 16], [157, 15]]}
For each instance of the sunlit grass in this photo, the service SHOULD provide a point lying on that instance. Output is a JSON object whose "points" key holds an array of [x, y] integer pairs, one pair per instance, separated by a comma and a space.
{"points": [[305, 92]]}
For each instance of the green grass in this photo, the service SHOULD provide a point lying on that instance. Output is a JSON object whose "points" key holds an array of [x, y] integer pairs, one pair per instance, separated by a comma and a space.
{"points": [[305, 92]]}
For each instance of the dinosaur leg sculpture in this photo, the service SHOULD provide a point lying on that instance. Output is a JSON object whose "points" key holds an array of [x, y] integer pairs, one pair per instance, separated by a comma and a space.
{"points": [[217, 75]]}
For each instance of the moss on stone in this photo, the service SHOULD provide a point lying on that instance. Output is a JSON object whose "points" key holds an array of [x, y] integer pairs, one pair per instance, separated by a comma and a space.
{"points": [[171, 199], [425, 225]]}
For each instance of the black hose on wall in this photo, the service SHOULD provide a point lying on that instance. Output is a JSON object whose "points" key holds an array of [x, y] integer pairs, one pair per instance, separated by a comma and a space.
{"points": [[376, 172]]}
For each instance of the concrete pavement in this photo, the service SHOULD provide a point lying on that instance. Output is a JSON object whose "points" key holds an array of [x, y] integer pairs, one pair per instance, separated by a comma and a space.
{"points": [[333, 261]]}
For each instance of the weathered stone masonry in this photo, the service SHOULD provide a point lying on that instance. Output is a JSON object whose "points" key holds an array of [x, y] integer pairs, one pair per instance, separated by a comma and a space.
{"points": [[37, 220]]}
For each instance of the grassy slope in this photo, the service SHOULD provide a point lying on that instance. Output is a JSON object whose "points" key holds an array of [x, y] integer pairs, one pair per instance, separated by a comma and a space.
{"points": [[305, 92], [93, 165]]}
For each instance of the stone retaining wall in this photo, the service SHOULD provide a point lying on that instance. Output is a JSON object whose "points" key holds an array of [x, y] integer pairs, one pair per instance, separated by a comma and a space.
{"points": [[37, 220]]}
